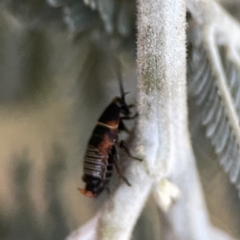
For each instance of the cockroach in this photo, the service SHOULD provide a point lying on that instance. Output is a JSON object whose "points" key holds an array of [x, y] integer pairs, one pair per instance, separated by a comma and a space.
{"points": [[101, 154]]}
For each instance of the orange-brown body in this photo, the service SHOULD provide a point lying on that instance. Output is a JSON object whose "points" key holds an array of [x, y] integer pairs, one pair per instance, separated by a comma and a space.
{"points": [[101, 152]]}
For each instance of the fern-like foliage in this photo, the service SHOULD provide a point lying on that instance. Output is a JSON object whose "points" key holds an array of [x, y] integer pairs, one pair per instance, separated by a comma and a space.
{"points": [[31, 14], [79, 17], [214, 81], [114, 16]]}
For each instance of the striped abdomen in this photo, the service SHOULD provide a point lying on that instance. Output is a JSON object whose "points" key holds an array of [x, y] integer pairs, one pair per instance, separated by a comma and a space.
{"points": [[94, 162], [98, 164], [98, 150]]}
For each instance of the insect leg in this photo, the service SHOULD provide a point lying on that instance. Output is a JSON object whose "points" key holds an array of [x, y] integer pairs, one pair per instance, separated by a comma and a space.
{"points": [[115, 160], [123, 145], [122, 127], [129, 117]]}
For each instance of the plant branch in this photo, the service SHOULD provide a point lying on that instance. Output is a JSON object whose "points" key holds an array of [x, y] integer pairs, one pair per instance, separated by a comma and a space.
{"points": [[215, 20], [158, 71]]}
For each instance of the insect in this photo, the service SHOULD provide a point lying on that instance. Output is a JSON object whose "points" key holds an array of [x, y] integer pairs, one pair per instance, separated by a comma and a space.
{"points": [[101, 154]]}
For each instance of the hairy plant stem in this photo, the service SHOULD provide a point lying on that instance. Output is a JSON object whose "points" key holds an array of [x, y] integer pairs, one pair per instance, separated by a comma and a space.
{"points": [[162, 111]]}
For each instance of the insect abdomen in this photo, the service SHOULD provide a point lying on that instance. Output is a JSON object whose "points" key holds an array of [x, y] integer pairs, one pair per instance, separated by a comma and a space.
{"points": [[98, 161], [94, 162]]}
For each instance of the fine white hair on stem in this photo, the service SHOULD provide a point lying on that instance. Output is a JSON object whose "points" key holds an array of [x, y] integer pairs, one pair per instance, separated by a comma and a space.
{"points": [[161, 135]]}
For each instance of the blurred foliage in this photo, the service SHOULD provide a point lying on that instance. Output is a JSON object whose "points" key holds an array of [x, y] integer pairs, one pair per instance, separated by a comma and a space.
{"points": [[211, 130]]}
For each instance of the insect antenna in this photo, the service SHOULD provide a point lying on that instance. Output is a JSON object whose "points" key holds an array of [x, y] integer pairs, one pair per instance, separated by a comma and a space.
{"points": [[120, 80]]}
